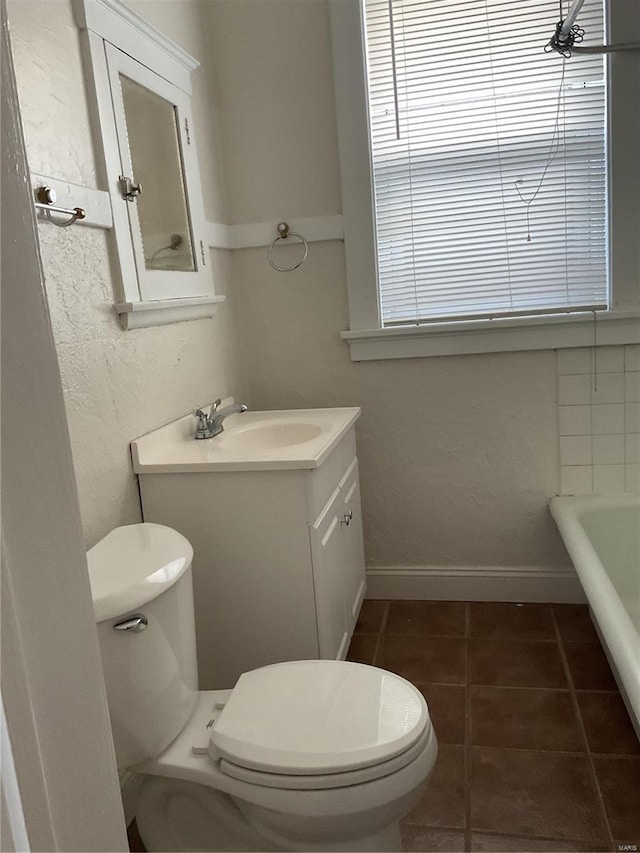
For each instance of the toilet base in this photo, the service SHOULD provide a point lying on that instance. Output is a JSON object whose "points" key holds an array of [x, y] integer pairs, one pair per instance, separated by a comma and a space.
{"points": [[175, 815]]}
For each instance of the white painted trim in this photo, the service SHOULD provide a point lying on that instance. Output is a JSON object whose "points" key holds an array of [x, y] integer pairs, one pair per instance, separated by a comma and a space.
{"points": [[130, 784], [354, 148], [314, 229], [10, 790], [218, 236], [475, 583], [102, 112], [161, 312], [507, 334], [95, 203], [119, 25], [624, 164]]}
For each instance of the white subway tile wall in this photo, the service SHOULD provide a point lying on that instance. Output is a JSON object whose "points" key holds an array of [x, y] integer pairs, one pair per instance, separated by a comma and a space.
{"points": [[576, 420], [608, 450], [632, 387], [607, 419], [599, 419], [576, 450]]}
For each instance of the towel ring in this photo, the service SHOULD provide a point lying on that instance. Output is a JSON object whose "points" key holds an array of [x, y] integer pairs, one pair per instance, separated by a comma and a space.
{"points": [[283, 233]]}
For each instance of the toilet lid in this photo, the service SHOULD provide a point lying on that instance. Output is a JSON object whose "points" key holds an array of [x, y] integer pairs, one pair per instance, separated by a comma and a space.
{"points": [[134, 564], [318, 716]]}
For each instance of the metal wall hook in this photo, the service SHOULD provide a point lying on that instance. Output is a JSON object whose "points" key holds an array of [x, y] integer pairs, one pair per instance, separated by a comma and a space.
{"points": [[46, 201], [283, 234]]}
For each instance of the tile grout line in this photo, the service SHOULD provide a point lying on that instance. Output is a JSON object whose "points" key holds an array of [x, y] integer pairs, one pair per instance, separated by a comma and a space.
{"points": [[559, 841], [575, 753], [576, 709], [516, 687], [430, 635], [467, 730], [383, 625]]}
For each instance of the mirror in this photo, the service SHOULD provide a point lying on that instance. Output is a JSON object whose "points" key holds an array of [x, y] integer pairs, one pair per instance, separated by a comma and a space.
{"points": [[154, 144]]}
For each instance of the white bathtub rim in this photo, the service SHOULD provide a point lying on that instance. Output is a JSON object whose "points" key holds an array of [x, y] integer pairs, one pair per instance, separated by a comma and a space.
{"points": [[582, 503], [620, 634]]}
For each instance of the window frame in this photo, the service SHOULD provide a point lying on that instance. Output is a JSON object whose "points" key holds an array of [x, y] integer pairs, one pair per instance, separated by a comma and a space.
{"points": [[367, 337]]}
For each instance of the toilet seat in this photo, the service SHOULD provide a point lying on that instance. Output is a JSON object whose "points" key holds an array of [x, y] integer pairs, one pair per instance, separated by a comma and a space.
{"points": [[374, 791], [318, 724], [329, 780]]}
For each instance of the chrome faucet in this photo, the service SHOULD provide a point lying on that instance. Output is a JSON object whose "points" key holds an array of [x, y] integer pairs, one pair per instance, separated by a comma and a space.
{"points": [[210, 425]]}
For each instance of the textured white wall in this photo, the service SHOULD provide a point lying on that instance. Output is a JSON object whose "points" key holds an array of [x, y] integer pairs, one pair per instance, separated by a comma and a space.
{"points": [[184, 22], [459, 454], [117, 385], [272, 77]]}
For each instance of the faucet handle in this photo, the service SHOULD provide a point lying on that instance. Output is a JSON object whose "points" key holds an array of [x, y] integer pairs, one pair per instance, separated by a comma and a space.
{"points": [[215, 406], [203, 429]]}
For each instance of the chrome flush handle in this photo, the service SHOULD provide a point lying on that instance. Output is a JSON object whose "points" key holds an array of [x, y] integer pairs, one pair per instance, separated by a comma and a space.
{"points": [[136, 623]]}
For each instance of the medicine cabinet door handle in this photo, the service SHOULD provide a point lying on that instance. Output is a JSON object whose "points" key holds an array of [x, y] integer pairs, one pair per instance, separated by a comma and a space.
{"points": [[129, 188], [346, 518]]}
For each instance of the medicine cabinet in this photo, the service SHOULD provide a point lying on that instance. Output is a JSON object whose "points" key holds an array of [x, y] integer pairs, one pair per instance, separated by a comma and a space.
{"points": [[142, 87]]}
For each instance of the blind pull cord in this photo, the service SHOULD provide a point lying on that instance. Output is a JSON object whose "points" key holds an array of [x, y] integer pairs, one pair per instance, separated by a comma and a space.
{"points": [[496, 119], [394, 72], [553, 150]]}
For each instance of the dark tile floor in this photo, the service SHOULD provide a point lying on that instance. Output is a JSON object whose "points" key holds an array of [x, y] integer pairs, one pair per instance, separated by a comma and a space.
{"points": [[537, 752]]}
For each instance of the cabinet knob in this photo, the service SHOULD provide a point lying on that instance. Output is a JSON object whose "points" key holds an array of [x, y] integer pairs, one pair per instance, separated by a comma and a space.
{"points": [[346, 518]]}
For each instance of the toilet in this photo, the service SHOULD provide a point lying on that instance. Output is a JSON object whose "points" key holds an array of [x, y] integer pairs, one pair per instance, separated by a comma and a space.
{"points": [[318, 755]]}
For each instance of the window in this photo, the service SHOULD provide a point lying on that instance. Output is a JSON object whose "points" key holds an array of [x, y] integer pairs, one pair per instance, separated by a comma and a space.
{"points": [[487, 204], [489, 161]]}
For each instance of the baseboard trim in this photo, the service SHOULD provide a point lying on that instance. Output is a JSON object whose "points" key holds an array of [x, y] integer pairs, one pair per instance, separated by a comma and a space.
{"points": [[475, 583]]}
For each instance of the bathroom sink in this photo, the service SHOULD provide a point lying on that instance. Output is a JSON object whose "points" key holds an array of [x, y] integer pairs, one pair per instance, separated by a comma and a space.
{"points": [[268, 435], [251, 441]]}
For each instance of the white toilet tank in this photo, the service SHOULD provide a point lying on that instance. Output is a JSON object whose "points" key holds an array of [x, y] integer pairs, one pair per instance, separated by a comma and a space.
{"points": [[143, 601]]}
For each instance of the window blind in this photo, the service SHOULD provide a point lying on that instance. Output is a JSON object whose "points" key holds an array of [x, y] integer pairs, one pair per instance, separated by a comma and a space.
{"points": [[489, 160]]}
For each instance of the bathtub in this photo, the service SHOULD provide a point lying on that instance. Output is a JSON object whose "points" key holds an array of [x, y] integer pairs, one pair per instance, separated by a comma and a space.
{"points": [[602, 536]]}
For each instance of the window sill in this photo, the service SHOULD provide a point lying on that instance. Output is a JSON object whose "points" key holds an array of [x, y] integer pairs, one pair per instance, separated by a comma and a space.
{"points": [[498, 335], [141, 315]]}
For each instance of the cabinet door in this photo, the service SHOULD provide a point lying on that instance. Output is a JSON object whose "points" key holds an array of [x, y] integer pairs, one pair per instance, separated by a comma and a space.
{"points": [[353, 543], [328, 555], [166, 215]]}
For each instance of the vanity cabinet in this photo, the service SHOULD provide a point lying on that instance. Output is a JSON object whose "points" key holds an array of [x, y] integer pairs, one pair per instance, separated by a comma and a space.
{"points": [[278, 569]]}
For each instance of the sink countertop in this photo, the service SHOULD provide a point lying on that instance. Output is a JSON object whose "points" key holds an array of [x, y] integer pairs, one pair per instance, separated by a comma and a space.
{"points": [[173, 449]]}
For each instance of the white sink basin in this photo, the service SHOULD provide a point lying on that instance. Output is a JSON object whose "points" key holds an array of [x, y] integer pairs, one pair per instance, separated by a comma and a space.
{"points": [[296, 438], [267, 435]]}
